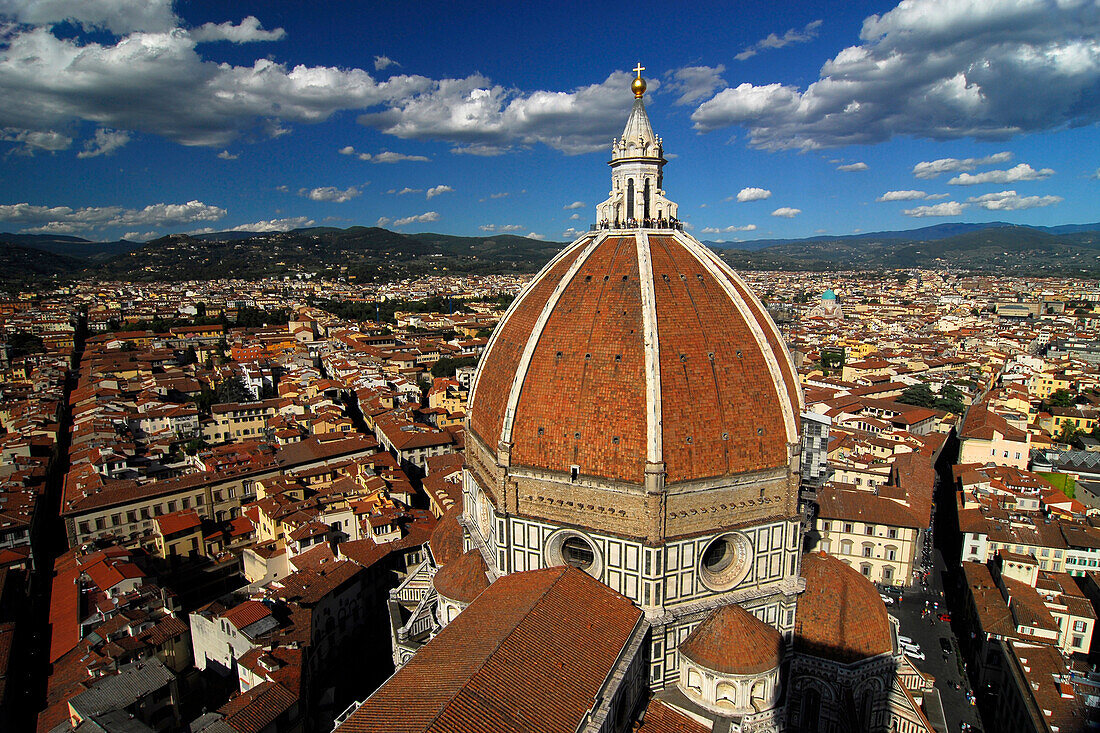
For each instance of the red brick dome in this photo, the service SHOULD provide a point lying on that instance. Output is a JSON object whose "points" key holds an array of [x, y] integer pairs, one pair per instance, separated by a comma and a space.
{"points": [[631, 349], [840, 615], [463, 578], [734, 642]]}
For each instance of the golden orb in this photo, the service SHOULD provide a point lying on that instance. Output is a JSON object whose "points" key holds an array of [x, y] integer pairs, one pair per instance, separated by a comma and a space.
{"points": [[638, 87]]}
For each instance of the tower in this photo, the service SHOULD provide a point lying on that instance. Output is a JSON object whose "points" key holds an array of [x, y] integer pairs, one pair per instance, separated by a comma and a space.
{"points": [[637, 178], [635, 415]]}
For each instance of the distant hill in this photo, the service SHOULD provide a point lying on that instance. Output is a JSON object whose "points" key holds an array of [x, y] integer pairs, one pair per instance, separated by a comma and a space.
{"points": [[371, 254]]}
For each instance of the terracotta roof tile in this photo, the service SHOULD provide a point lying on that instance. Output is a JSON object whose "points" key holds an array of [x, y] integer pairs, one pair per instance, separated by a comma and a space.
{"points": [[840, 615], [530, 654], [733, 641]]}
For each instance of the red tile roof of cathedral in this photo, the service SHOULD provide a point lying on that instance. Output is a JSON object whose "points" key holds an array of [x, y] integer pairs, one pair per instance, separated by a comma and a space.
{"points": [[462, 579], [733, 641], [728, 393], [530, 654], [446, 540], [840, 616], [660, 718]]}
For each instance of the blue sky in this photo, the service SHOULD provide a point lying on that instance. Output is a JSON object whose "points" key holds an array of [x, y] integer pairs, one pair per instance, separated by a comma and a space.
{"points": [[138, 119]]}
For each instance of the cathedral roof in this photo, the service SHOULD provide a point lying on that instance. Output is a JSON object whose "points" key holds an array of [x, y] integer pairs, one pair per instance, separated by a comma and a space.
{"points": [[840, 616], [446, 540], [462, 579], [733, 641], [531, 653], [635, 348]]}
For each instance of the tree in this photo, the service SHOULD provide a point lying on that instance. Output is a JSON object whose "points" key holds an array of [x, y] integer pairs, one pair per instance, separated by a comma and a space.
{"points": [[233, 390], [1061, 398], [1067, 433], [446, 366], [920, 395]]}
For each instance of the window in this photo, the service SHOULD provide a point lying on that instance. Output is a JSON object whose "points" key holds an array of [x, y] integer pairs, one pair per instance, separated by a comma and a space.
{"points": [[1078, 641], [868, 550], [865, 568], [1079, 626], [892, 533], [847, 526], [891, 553], [869, 529], [973, 550], [824, 526], [845, 547]]}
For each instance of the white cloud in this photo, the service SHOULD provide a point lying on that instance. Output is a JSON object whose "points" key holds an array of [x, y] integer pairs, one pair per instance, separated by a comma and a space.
{"points": [[117, 16], [939, 69], [500, 228], [226, 155], [693, 83], [330, 193], [475, 112], [248, 30], [753, 194], [786, 212], [417, 219], [794, 35], [947, 208], [384, 62], [58, 219], [575, 217], [1020, 172], [405, 191], [1011, 201], [567, 207], [902, 196], [36, 140], [535, 235], [156, 81], [274, 225], [139, 236], [484, 151], [436, 190], [504, 195], [852, 167], [389, 157], [383, 221], [347, 150], [937, 196], [729, 229], [104, 142], [571, 233], [933, 168]]}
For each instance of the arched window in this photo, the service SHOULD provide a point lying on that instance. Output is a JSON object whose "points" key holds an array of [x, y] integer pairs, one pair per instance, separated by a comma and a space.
{"points": [[759, 692], [845, 547], [811, 710], [630, 198], [725, 694], [695, 681]]}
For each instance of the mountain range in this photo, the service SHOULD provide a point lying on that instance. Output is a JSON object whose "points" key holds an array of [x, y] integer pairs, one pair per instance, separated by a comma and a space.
{"points": [[373, 254]]}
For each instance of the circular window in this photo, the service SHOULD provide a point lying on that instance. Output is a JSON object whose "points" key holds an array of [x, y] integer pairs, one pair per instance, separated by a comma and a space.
{"points": [[725, 561], [569, 547]]}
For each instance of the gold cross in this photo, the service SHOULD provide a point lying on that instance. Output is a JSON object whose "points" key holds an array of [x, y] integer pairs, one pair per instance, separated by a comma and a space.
{"points": [[639, 69]]}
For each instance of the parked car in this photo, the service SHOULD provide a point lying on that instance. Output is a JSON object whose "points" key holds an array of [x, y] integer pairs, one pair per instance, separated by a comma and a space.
{"points": [[886, 599], [904, 639], [910, 647], [945, 616], [945, 645], [915, 654]]}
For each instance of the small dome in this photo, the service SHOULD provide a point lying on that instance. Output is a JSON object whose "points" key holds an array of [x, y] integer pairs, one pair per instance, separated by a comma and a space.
{"points": [[446, 540], [828, 295], [840, 615], [734, 642], [462, 579]]}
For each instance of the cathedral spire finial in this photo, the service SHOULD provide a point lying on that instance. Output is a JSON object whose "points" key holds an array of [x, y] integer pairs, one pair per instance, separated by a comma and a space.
{"points": [[638, 85]]}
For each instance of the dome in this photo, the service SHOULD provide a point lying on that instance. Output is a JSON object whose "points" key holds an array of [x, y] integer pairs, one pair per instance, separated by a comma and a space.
{"points": [[446, 541], [840, 616], [731, 641], [462, 579], [632, 350], [828, 295]]}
